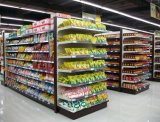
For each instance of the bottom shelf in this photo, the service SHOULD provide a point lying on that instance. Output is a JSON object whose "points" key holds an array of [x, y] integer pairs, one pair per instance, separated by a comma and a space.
{"points": [[83, 112], [51, 106], [130, 91], [113, 88], [154, 79], [1, 73]]}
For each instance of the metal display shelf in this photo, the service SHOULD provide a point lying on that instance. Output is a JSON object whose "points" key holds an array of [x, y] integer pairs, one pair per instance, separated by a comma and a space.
{"points": [[111, 61], [135, 66], [77, 56], [42, 61], [130, 91], [83, 112], [113, 51], [81, 84], [111, 71], [113, 45], [142, 73], [59, 60], [156, 70], [132, 59], [1, 73], [15, 58], [136, 44], [128, 81], [157, 63], [30, 60], [142, 37], [26, 43], [99, 57], [149, 55], [136, 51], [157, 48], [31, 77], [157, 36], [115, 65], [30, 68], [80, 70], [113, 88], [74, 28], [107, 58], [157, 56], [79, 42], [82, 97], [112, 78], [33, 86], [27, 52], [33, 97]]}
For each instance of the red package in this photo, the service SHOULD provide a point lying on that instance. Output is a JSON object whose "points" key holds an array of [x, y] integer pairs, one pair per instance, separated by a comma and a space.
{"points": [[36, 24], [46, 21], [50, 67], [36, 29]]}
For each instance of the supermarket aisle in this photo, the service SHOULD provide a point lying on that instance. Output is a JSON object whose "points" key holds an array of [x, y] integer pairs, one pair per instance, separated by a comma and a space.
{"points": [[122, 108]]}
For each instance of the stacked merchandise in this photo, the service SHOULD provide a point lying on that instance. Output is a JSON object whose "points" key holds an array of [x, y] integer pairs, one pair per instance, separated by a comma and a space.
{"points": [[81, 80], [156, 72], [1, 57], [112, 59], [30, 65], [135, 62], [37, 27]]}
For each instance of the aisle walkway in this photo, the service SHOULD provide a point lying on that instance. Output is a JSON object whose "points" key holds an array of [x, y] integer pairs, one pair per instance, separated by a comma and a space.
{"points": [[144, 107]]}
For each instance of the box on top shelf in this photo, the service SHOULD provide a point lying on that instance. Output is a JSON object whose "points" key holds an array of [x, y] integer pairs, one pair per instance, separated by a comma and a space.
{"points": [[14, 34], [42, 22], [43, 25], [26, 29], [38, 26], [48, 21], [43, 28]]}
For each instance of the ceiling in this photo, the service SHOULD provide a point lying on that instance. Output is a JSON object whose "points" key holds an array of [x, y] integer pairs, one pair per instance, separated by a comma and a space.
{"points": [[138, 8]]}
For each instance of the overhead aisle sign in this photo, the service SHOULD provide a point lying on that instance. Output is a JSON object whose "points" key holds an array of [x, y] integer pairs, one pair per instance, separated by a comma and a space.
{"points": [[155, 11]]}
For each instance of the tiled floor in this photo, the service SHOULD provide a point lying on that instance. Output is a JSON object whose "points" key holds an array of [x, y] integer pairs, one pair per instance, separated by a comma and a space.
{"points": [[144, 107]]}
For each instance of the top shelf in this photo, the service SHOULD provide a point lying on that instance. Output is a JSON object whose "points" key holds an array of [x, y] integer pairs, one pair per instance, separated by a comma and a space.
{"points": [[81, 42], [94, 31], [27, 35], [157, 36], [141, 37], [136, 44], [110, 35]]}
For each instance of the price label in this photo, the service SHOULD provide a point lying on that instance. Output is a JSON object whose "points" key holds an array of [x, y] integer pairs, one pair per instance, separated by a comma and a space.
{"points": [[63, 15], [73, 56]]}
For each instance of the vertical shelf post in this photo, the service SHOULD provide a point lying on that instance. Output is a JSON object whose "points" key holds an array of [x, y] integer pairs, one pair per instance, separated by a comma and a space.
{"points": [[55, 65], [121, 58], [153, 57], [4, 58]]}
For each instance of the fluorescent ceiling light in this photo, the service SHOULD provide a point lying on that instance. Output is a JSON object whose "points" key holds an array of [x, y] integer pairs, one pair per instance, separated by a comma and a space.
{"points": [[18, 19], [9, 6], [34, 10], [117, 12], [23, 8], [8, 29], [124, 27], [17, 25]]}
